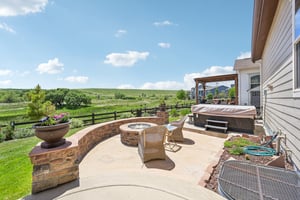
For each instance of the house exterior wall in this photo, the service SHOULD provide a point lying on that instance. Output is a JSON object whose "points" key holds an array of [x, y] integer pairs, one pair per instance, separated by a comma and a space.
{"points": [[244, 85], [281, 109]]}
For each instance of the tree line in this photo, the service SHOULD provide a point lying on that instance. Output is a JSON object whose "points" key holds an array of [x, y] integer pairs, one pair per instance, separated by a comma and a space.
{"points": [[43, 104]]}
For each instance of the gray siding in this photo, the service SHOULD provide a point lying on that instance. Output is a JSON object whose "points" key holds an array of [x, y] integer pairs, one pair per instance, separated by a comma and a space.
{"points": [[281, 109], [279, 45]]}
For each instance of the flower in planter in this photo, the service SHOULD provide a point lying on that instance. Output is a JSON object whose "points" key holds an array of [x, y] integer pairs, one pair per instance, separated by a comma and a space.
{"points": [[55, 119]]}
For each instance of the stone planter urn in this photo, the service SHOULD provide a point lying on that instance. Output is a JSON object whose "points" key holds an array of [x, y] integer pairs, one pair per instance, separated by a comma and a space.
{"points": [[52, 135]]}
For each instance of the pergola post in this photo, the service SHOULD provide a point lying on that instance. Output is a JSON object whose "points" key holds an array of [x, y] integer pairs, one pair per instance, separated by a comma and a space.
{"points": [[236, 83], [196, 92], [204, 90]]}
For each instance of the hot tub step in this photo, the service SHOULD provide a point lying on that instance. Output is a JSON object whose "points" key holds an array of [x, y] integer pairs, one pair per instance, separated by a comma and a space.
{"points": [[216, 124], [216, 127]]}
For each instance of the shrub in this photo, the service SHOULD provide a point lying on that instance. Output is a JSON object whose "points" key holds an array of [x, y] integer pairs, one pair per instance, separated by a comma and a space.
{"points": [[174, 113], [236, 145], [236, 151], [119, 95], [228, 144], [23, 133], [238, 142], [76, 123], [184, 112], [2, 137], [8, 132]]}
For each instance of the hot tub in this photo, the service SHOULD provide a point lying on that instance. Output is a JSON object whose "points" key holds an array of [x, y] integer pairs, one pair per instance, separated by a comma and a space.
{"points": [[239, 118], [130, 132]]}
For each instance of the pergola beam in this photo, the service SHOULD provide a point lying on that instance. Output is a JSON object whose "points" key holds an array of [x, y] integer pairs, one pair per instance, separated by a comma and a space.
{"points": [[227, 77]]}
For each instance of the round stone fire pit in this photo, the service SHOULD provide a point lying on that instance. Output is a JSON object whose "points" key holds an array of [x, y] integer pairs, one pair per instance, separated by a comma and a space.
{"points": [[130, 132]]}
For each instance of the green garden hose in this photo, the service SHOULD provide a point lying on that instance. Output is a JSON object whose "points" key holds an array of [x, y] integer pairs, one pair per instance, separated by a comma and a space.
{"points": [[259, 151]]}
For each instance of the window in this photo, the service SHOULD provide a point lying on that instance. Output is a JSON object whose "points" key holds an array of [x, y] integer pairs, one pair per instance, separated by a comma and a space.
{"points": [[254, 81], [297, 45]]}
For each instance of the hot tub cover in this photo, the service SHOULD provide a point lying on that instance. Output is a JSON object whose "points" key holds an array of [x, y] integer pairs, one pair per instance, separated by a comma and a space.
{"points": [[225, 110]]}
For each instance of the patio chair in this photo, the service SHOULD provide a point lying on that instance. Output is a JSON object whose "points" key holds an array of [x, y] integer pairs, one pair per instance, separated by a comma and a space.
{"points": [[151, 143], [177, 133]]}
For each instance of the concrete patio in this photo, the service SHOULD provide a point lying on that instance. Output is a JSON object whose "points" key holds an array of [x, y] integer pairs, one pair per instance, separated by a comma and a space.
{"points": [[112, 170]]}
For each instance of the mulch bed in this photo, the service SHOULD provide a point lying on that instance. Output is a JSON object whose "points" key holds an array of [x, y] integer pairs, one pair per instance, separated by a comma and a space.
{"points": [[212, 183]]}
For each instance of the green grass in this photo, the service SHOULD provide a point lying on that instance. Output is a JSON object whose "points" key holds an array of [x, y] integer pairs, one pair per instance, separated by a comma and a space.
{"points": [[16, 168], [103, 100], [236, 145]]}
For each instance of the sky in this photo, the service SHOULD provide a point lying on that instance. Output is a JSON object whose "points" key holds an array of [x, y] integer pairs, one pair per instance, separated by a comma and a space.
{"points": [[126, 44]]}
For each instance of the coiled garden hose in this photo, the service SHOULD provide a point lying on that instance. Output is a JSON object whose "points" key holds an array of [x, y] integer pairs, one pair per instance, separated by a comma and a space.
{"points": [[259, 151]]}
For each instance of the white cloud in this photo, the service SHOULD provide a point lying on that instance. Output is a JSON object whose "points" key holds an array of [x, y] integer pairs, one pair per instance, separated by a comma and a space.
{"points": [[244, 55], [188, 80], [5, 82], [21, 7], [164, 45], [125, 59], [7, 28], [77, 79], [212, 71], [164, 23], [126, 86], [5, 72], [51, 67], [163, 85], [120, 33]]}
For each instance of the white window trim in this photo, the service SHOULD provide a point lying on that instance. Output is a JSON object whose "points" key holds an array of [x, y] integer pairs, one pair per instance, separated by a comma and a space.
{"points": [[250, 79], [296, 91]]}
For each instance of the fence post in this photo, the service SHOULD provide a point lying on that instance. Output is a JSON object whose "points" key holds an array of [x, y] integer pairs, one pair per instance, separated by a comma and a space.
{"points": [[115, 115], [12, 124], [93, 118]]}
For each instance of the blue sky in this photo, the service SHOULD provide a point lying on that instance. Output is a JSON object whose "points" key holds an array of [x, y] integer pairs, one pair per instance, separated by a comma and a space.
{"points": [[142, 44]]}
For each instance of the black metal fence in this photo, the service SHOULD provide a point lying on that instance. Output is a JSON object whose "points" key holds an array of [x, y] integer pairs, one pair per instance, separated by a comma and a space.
{"points": [[95, 118]]}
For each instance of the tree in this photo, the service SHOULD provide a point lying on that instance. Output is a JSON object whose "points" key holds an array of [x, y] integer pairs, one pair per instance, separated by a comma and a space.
{"points": [[209, 96], [181, 95], [57, 97], [75, 99], [37, 107], [231, 92], [216, 92], [9, 97]]}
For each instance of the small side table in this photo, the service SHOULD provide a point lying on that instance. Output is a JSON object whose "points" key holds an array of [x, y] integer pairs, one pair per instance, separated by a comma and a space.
{"points": [[170, 132]]}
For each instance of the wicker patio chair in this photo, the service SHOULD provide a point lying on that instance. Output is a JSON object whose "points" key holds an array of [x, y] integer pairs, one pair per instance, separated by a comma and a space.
{"points": [[151, 143], [177, 133]]}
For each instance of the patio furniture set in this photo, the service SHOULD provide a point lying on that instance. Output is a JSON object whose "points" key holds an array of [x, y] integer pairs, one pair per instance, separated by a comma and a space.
{"points": [[152, 140]]}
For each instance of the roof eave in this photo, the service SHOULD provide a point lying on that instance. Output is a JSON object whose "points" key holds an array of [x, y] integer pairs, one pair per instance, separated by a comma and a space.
{"points": [[263, 15]]}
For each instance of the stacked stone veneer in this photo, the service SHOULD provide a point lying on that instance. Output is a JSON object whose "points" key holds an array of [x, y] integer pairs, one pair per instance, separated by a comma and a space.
{"points": [[55, 166], [164, 115]]}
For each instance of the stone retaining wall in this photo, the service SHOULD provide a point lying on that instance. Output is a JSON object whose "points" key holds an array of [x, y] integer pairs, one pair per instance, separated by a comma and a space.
{"points": [[55, 166]]}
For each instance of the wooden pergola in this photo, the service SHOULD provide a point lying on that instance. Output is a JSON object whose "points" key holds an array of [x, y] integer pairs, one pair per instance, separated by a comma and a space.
{"points": [[204, 80]]}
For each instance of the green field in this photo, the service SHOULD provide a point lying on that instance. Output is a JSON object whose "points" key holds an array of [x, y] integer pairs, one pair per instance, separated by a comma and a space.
{"points": [[15, 165], [103, 100]]}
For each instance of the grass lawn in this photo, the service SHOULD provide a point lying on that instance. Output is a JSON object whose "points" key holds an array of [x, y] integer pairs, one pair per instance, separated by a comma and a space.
{"points": [[16, 168]]}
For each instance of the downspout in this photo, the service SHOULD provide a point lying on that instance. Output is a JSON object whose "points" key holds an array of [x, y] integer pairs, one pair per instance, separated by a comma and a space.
{"points": [[261, 109]]}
